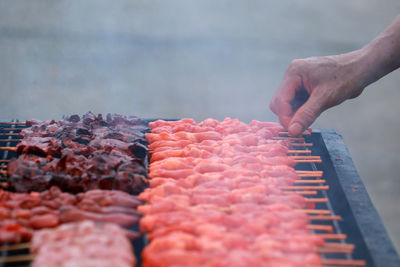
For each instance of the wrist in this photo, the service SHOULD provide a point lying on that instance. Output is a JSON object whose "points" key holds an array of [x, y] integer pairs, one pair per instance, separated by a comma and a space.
{"points": [[365, 66]]}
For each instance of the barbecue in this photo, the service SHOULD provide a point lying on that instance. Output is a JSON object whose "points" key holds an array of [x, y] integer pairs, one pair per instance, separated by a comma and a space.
{"points": [[215, 186]]}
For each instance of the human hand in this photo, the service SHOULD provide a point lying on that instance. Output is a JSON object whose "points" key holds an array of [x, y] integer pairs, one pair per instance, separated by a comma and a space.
{"points": [[312, 85]]}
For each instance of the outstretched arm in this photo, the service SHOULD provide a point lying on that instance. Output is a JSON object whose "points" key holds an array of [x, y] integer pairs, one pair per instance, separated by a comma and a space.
{"points": [[312, 85]]}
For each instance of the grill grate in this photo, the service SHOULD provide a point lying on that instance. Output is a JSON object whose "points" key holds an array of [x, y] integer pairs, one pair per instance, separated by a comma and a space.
{"points": [[347, 197]]}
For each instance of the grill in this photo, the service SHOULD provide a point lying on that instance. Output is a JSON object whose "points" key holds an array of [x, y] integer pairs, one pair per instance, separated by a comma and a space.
{"points": [[344, 213]]}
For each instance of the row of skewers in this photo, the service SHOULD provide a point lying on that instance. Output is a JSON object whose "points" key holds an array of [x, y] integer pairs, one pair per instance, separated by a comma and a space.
{"points": [[307, 183], [62, 179]]}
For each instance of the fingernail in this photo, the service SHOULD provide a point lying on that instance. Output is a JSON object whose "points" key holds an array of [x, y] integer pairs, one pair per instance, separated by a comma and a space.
{"points": [[295, 129]]}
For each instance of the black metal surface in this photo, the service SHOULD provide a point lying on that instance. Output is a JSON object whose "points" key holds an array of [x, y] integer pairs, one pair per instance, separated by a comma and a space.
{"points": [[349, 198]]}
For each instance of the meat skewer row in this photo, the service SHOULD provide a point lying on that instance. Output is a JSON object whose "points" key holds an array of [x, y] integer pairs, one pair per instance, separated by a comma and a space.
{"points": [[156, 225], [79, 154], [21, 213]]}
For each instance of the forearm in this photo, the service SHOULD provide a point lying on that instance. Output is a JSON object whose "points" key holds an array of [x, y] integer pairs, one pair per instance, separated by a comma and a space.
{"points": [[382, 55]]}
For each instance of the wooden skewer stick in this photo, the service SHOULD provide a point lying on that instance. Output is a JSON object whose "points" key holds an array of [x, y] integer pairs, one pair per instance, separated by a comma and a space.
{"points": [[303, 193], [316, 200], [338, 245], [308, 161], [11, 129], [341, 262], [13, 123], [294, 151], [305, 157], [312, 181], [9, 148], [15, 247], [4, 160], [310, 174], [3, 167], [327, 228], [305, 187], [3, 172], [334, 250], [9, 134], [325, 218], [10, 140], [317, 211], [17, 258], [332, 236]]}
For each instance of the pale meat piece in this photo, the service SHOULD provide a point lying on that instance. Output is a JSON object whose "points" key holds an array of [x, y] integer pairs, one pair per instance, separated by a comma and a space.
{"points": [[83, 244]]}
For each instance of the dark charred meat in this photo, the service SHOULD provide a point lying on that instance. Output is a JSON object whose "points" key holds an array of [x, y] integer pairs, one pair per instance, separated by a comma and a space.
{"points": [[79, 154]]}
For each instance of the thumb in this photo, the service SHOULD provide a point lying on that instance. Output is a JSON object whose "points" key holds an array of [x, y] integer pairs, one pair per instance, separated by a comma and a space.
{"points": [[305, 115]]}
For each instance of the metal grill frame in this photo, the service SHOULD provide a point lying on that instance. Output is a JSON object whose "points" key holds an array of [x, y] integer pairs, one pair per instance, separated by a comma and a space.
{"points": [[349, 199]]}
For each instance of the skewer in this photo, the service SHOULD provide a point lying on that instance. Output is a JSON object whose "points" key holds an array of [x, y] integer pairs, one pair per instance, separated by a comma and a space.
{"points": [[3, 167], [339, 245], [332, 236], [311, 211], [308, 161], [303, 193], [294, 151], [342, 262], [320, 181], [305, 187], [13, 123], [15, 247], [327, 228], [316, 200], [11, 129], [310, 174], [305, 157], [10, 140], [334, 250], [325, 218], [4, 160], [301, 171], [3, 172], [9, 134], [9, 148], [17, 258]]}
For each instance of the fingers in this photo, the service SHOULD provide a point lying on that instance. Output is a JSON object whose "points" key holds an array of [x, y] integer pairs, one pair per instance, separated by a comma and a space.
{"points": [[280, 104], [305, 115]]}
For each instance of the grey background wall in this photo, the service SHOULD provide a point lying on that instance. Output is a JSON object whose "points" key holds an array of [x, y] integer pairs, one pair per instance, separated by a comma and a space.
{"points": [[199, 59]]}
